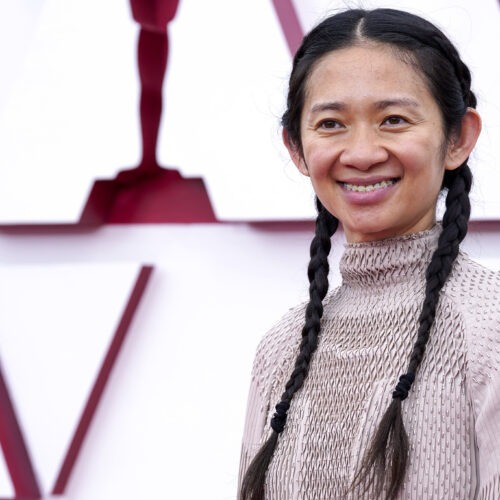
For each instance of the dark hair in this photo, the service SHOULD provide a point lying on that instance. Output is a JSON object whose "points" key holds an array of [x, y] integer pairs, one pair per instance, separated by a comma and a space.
{"points": [[423, 45]]}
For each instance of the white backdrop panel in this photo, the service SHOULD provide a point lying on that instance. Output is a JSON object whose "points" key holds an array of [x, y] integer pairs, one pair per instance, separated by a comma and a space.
{"points": [[170, 421], [69, 112]]}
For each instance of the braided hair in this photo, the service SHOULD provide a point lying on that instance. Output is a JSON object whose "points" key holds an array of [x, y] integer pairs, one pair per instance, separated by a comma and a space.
{"points": [[424, 46], [318, 269]]}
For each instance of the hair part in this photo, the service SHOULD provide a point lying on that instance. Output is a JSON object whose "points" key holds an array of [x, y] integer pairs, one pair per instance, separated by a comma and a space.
{"points": [[414, 39]]}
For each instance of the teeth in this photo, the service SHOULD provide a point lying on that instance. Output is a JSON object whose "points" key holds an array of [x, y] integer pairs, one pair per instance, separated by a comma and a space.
{"points": [[369, 187]]}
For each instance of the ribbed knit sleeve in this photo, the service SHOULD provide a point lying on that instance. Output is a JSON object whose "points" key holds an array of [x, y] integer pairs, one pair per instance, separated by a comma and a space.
{"points": [[486, 401], [274, 357], [483, 318]]}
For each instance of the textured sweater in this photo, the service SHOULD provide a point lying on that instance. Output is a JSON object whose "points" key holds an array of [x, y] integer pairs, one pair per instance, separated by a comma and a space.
{"points": [[452, 413]]}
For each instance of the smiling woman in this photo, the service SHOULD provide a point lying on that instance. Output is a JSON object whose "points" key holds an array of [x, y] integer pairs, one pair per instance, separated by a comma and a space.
{"points": [[373, 142], [380, 115]]}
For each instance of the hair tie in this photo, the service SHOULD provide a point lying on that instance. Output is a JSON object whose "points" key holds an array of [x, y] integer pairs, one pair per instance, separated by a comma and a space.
{"points": [[279, 418], [404, 385]]}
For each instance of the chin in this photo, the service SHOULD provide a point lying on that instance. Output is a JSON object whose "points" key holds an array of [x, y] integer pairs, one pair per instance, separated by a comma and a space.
{"points": [[370, 233]]}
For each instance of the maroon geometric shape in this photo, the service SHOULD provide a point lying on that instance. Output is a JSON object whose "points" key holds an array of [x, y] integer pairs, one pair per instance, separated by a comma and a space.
{"points": [[16, 454], [101, 381], [160, 197], [290, 23], [154, 14]]}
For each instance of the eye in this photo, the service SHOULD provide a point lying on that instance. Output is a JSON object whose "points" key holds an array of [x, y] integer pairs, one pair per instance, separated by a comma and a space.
{"points": [[394, 120], [329, 124]]}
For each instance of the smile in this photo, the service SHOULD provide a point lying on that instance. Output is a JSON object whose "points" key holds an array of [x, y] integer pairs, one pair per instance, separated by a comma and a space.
{"points": [[369, 187]]}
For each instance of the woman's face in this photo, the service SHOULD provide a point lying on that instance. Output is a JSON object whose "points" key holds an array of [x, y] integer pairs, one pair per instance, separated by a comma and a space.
{"points": [[372, 143]]}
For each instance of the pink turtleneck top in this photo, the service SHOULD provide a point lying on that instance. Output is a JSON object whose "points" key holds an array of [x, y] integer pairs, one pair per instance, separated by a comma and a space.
{"points": [[452, 414]]}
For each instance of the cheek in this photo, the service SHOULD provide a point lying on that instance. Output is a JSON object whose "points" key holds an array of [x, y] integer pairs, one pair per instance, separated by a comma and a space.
{"points": [[320, 161], [424, 171], [423, 160]]}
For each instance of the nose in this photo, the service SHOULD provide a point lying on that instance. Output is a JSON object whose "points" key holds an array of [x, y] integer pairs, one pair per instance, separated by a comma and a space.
{"points": [[363, 149]]}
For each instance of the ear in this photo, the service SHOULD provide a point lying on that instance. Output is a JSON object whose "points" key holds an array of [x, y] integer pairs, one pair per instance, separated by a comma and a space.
{"points": [[295, 154], [461, 146]]}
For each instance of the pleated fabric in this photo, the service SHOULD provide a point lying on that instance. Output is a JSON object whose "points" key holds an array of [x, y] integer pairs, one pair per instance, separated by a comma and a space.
{"points": [[452, 414]]}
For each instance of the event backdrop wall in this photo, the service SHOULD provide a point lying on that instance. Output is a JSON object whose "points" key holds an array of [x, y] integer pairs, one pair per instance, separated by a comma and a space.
{"points": [[152, 229]]}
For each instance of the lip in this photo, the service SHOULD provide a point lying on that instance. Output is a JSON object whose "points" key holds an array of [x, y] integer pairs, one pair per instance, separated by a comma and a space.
{"points": [[368, 197]]}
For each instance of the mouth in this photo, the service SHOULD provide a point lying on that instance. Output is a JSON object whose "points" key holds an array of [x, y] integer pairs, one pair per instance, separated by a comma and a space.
{"points": [[366, 188]]}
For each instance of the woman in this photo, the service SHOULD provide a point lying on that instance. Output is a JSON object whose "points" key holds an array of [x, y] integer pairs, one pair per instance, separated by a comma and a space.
{"points": [[389, 388]]}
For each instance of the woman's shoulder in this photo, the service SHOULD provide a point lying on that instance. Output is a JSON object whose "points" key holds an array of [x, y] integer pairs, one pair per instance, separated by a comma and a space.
{"points": [[283, 337], [475, 291], [278, 348], [274, 357], [475, 282]]}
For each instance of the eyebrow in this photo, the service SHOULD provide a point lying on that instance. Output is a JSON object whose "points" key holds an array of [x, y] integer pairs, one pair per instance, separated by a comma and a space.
{"points": [[402, 101], [328, 106], [380, 105]]}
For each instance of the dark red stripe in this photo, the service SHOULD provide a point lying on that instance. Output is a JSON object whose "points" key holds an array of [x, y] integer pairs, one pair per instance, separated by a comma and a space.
{"points": [[101, 381], [14, 448], [290, 23]]}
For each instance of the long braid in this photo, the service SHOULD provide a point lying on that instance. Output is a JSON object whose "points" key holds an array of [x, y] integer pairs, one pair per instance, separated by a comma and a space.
{"points": [[388, 452], [326, 224], [455, 222], [385, 461]]}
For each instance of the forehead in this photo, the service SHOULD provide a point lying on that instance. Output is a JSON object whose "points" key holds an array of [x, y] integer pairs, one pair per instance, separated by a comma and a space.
{"points": [[364, 71]]}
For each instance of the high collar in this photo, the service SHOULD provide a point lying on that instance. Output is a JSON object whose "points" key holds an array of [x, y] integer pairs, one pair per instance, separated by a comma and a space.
{"points": [[388, 261]]}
